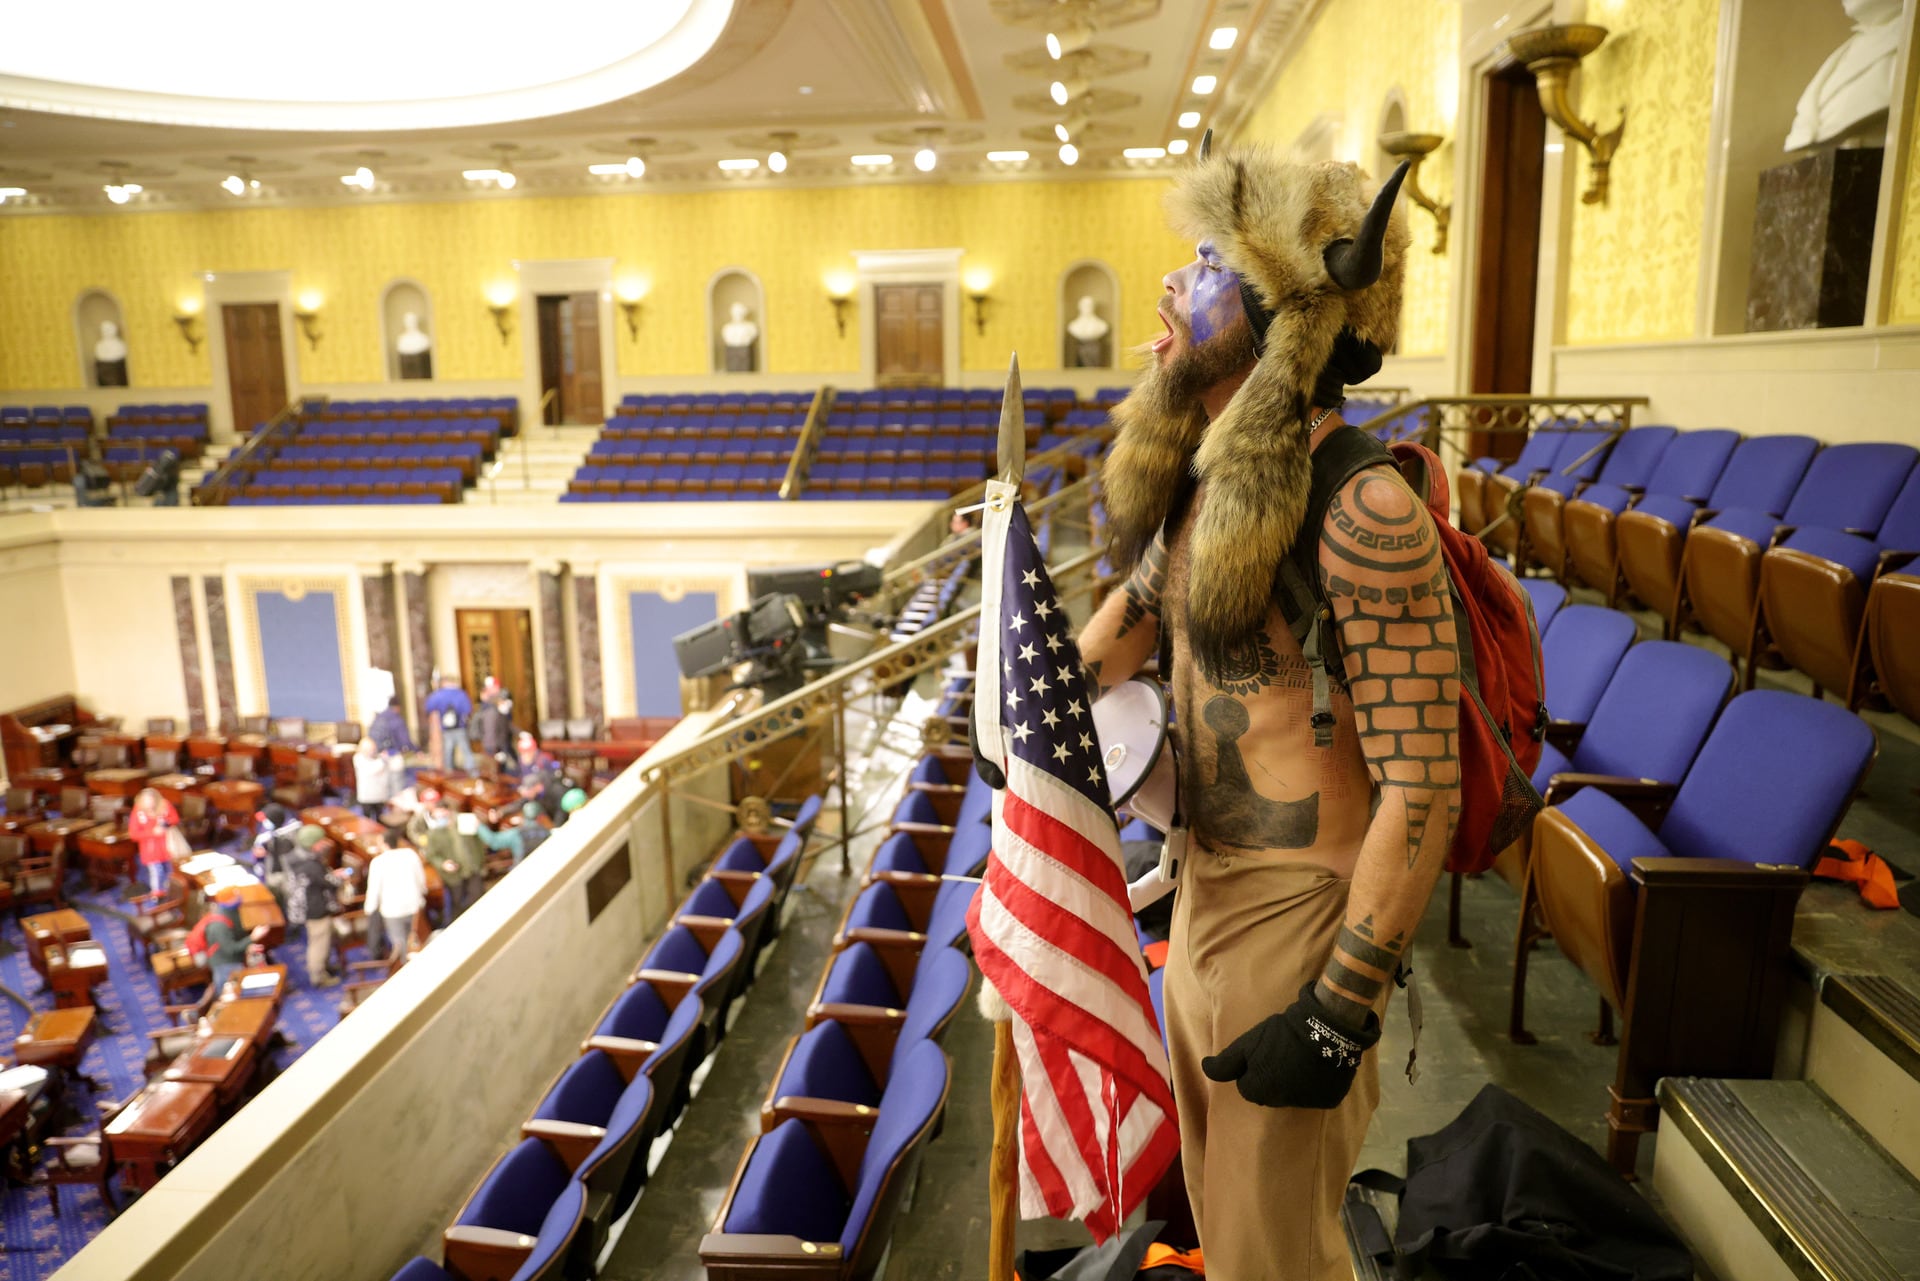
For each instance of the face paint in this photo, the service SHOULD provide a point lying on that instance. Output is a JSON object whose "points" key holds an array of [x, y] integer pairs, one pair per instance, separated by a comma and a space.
{"points": [[1213, 302]]}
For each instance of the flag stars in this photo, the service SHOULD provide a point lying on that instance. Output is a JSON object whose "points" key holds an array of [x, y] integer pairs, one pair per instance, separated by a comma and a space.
{"points": [[1021, 731], [1086, 742], [1042, 610], [1031, 579], [1061, 752], [1013, 696], [1027, 654], [1093, 776], [1039, 685], [1075, 710], [1017, 622], [1054, 643], [1050, 718]]}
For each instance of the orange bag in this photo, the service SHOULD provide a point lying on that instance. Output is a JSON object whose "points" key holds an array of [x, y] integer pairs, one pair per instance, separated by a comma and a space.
{"points": [[1853, 862]]}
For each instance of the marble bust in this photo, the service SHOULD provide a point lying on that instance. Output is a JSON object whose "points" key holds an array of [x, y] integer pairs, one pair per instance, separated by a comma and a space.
{"points": [[414, 347], [1848, 98], [737, 335], [1089, 334], [110, 357]]}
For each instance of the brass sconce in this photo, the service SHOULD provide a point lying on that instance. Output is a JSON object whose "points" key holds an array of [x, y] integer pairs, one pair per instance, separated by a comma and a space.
{"points": [[189, 322], [308, 314], [500, 303], [840, 287], [978, 283], [1551, 54], [1415, 147], [630, 309], [840, 305]]}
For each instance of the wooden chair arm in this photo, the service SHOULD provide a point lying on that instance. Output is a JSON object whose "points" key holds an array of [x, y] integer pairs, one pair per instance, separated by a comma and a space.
{"points": [[1646, 798], [708, 929], [570, 1140], [1565, 735], [627, 1053], [476, 1253], [920, 829], [673, 985], [851, 1015], [795, 1257], [737, 883]]}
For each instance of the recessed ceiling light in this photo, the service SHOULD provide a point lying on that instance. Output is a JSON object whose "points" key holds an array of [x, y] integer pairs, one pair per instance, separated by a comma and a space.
{"points": [[120, 193], [806, 88], [741, 165], [7, 193], [1068, 38], [777, 161], [925, 159], [363, 178], [1204, 85], [1058, 91], [873, 161], [507, 180], [1178, 147], [1069, 154], [234, 184], [1006, 157], [1223, 37], [636, 167], [1061, 132], [1189, 119], [1144, 153]]}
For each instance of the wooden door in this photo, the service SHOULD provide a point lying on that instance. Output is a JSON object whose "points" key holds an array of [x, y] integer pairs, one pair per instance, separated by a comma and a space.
{"points": [[1509, 259], [499, 643], [256, 366], [569, 332], [909, 335]]}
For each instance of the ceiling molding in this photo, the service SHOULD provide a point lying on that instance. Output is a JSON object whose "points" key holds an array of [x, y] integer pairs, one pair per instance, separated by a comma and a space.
{"points": [[1270, 47]]}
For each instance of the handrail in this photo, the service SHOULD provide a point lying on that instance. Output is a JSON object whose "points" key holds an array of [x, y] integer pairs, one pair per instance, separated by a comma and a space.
{"points": [[800, 465], [546, 398], [827, 697], [1437, 421], [215, 486], [1058, 456]]}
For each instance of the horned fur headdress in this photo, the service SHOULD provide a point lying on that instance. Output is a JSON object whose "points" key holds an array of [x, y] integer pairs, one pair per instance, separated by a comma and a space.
{"points": [[1322, 255]]}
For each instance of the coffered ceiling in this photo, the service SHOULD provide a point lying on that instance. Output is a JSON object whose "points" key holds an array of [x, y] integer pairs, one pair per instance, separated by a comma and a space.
{"points": [[821, 81]]}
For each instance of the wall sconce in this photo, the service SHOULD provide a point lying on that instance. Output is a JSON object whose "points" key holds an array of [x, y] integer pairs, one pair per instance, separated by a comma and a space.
{"points": [[307, 312], [630, 296], [187, 316], [500, 303], [840, 294], [1415, 147], [1551, 54], [978, 283]]}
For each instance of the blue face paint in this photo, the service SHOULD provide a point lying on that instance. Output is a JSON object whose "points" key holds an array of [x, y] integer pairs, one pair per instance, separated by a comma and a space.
{"points": [[1213, 301]]}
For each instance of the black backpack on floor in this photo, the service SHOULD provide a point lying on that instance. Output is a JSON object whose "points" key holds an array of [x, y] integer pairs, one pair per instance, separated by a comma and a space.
{"points": [[1503, 1194]]}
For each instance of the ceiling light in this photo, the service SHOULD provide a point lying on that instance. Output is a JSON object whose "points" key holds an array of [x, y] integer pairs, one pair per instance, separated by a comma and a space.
{"points": [[120, 193], [636, 167], [1204, 85], [777, 161], [1144, 153], [874, 161], [607, 170], [806, 88], [1006, 157], [506, 180], [741, 165], [475, 175], [234, 184], [1223, 37], [1069, 154], [6, 192], [362, 178], [1189, 119], [1060, 132], [924, 160], [1178, 147], [1069, 38]]}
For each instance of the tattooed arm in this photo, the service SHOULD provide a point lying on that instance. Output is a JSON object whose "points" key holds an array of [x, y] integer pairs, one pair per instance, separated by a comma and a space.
{"points": [[1381, 563], [1120, 637]]}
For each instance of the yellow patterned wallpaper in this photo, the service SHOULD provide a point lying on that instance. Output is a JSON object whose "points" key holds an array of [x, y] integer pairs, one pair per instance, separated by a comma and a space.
{"points": [[1356, 54], [1023, 233], [1634, 263], [1906, 262]]}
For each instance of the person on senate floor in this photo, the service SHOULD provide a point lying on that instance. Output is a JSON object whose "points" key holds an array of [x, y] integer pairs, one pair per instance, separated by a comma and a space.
{"points": [[396, 894], [1314, 848], [389, 730], [311, 901], [152, 817], [229, 943], [449, 708]]}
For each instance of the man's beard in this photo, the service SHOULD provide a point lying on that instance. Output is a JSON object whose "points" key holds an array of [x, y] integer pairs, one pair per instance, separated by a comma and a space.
{"points": [[1173, 388]]}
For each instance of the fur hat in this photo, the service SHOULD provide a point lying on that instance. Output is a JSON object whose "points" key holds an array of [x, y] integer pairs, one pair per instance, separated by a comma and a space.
{"points": [[1324, 254]]}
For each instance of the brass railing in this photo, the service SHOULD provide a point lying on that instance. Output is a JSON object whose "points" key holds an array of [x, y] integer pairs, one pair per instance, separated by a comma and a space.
{"points": [[1444, 423], [212, 491], [801, 464], [819, 711]]}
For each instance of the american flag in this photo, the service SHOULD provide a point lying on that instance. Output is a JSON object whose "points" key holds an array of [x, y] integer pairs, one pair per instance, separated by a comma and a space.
{"points": [[1051, 928]]}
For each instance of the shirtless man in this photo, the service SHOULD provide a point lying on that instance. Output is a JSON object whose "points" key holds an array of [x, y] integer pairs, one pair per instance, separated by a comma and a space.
{"points": [[1311, 866]]}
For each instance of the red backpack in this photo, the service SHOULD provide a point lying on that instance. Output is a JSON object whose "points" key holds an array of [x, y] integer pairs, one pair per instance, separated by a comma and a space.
{"points": [[196, 940], [1503, 717]]}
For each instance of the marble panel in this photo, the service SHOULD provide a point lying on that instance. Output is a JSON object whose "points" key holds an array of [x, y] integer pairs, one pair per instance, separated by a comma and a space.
{"points": [[553, 646], [376, 591], [219, 639], [586, 610], [1813, 241], [420, 643], [189, 633]]}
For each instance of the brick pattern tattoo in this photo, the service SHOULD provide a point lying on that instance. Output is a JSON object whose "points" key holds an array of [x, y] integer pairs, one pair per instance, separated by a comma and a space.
{"points": [[1144, 587], [1397, 637]]}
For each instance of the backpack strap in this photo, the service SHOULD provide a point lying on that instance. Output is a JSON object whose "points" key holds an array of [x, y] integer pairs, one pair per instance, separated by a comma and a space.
{"points": [[1344, 453]]}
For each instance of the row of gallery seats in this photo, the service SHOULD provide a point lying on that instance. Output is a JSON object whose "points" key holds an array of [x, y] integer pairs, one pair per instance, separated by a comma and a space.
{"points": [[502, 412], [1787, 553], [376, 452]]}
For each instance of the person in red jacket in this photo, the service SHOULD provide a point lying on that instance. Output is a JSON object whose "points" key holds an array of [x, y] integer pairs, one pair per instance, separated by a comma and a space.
{"points": [[152, 818]]}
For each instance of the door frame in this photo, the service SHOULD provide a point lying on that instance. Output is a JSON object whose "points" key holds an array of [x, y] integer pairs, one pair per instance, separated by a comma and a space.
{"points": [[564, 276], [221, 288], [523, 695], [909, 267]]}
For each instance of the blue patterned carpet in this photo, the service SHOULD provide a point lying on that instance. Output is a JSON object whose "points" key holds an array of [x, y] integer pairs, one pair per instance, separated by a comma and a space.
{"points": [[35, 1242]]}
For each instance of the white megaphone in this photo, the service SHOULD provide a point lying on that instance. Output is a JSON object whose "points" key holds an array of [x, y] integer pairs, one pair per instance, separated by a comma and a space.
{"points": [[1143, 776]]}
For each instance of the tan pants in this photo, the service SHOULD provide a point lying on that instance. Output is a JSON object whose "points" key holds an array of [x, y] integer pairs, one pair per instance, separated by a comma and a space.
{"points": [[319, 948], [1266, 1183]]}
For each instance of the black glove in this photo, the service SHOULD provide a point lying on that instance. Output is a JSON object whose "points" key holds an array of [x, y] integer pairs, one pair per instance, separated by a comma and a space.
{"points": [[1300, 1058], [989, 772]]}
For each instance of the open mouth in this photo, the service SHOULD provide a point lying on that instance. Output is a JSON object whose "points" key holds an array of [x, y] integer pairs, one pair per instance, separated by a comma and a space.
{"points": [[1165, 340]]}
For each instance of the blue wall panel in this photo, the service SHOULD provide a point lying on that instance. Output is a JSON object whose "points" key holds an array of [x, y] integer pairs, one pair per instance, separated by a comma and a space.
{"points": [[300, 653], [656, 621]]}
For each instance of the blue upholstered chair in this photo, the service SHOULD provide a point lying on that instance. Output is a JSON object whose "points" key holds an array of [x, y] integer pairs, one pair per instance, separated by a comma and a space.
{"points": [[526, 1215], [816, 1197], [1767, 790], [600, 1123], [1847, 489], [901, 916], [1583, 451], [1548, 598], [1635, 456], [718, 904], [1578, 655], [776, 855], [1470, 484], [679, 965], [648, 1034], [1683, 478]]}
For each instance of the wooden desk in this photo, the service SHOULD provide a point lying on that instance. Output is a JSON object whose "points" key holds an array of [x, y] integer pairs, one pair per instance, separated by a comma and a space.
{"points": [[54, 835], [327, 815], [57, 1039], [47, 780], [161, 1125], [52, 928], [116, 782], [253, 746], [252, 1020], [484, 797], [258, 907], [107, 853], [235, 796], [224, 1062], [174, 786], [205, 747], [265, 983], [110, 739], [165, 742], [74, 970]]}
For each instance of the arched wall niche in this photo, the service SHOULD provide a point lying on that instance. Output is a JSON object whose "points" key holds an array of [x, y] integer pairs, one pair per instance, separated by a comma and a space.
{"points": [[92, 309], [402, 298], [1318, 141], [1393, 119], [731, 287], [1089, 278]]}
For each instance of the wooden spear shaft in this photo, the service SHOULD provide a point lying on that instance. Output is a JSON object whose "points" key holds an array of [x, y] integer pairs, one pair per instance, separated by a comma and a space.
{"points": [[1004, 1174]]}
